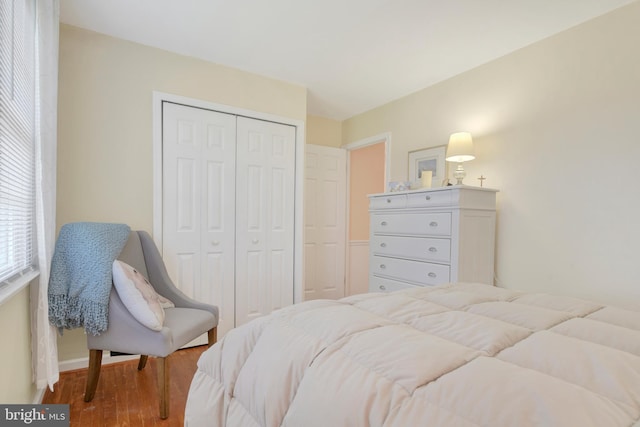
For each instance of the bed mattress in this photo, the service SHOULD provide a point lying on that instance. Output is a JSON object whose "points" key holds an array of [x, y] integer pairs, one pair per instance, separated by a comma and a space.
{"points": [[452, 355]]}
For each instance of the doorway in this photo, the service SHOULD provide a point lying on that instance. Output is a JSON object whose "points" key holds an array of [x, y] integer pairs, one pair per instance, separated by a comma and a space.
{"points": [[368, 163]]}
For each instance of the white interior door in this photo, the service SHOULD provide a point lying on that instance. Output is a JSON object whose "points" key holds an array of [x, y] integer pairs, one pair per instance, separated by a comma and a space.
{"points": [[325, 222], [265, 185], [199, 205]]}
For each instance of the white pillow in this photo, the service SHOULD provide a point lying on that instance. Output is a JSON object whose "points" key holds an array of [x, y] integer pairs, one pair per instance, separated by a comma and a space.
{"points": [[138, 296]]}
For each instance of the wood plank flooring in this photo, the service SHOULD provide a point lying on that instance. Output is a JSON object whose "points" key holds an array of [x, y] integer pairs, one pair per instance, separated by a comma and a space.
{"points": [[126, 396]]}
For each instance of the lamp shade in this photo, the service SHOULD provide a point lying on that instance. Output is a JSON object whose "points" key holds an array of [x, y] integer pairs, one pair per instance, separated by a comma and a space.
{"points": [[460, 148]]}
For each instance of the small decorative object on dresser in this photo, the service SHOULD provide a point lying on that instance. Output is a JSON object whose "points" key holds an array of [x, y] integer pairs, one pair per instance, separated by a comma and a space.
{"points": [[430, 159], [393, 186], [426, 178], [430, 237]]}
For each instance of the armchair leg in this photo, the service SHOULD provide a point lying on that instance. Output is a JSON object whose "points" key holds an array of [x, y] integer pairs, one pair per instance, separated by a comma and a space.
{"points": [[95, 362], [212, 336], [163, 386], [143, 362]]}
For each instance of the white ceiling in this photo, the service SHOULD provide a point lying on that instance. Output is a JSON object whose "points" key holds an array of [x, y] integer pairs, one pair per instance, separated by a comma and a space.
{"points": [[352, 55]]}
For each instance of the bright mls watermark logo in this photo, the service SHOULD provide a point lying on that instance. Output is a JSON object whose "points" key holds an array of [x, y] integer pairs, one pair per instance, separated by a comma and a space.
{"points": [[34, 415]]}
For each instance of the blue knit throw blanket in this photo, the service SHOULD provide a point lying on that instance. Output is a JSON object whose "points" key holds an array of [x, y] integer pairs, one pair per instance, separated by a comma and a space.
{"points": [[81, 278]]}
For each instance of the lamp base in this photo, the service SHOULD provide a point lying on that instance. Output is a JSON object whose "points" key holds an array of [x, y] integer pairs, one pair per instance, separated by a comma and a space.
{"points": [[459, 174]]}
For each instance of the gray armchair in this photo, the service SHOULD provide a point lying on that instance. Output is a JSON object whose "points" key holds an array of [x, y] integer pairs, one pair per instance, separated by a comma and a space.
{"points": [[187, 321]]}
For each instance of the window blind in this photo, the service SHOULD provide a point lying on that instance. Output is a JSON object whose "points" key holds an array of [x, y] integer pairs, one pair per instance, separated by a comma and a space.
{"points": [[17, 137]]}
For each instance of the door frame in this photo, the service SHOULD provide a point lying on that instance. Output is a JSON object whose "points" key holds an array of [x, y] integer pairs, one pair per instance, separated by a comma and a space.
{"points": [[375, 139], [298, 229]]}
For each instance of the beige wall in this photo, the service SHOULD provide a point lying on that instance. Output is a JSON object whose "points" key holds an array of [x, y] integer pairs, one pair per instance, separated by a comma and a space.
{"points": [[15, 358], [366, 176], [556, 131], [323, 131], [105, 125]]}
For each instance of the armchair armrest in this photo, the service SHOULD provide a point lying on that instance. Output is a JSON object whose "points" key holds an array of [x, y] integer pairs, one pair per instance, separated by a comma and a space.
{"points": [[125, 334], [161, 281]]}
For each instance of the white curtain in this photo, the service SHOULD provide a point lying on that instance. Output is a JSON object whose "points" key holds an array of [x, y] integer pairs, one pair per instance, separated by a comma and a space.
{"points": [[43, 335]]}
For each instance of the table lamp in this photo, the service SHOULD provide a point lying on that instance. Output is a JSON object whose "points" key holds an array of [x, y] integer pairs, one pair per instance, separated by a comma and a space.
{"points": [[460, 149]]}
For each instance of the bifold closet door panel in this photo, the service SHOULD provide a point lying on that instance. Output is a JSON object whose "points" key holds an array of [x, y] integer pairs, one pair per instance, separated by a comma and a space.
{"points": [[265, 188], [199, 155]]}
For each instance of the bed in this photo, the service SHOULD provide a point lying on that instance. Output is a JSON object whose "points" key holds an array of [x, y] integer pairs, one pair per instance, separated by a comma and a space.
{"points": [[452, 355]]}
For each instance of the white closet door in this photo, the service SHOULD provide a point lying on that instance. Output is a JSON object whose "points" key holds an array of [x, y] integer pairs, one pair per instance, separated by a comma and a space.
{"points": [[325, 217], [199, 205], [265, 175]]}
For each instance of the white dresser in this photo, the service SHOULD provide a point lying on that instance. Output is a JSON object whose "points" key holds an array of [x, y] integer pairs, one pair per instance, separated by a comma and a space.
{"points": [[429, 237]]}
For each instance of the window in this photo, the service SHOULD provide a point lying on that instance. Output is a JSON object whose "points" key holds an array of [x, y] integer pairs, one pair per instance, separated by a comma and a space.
{"points": [[17, 138]]}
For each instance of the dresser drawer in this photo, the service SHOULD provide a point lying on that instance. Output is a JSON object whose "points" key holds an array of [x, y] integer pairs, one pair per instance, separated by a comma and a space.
{"points": [[389, 201], [415, 224], [380, 284], [420, 248], [412, 271], [427, 199]]}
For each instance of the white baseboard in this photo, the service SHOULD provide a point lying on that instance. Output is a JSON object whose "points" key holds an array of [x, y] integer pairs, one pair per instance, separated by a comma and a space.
{"points": [[107, 358], [83, 362], [38, 396]]}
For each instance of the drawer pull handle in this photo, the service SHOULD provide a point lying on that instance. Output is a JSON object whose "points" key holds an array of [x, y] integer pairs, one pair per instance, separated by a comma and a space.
{"points": [[432, 274], [383, 223], [388, 200], [383, 245], [427, 197], [382, 266], [383, 288], [433, 224], [433, 249]]}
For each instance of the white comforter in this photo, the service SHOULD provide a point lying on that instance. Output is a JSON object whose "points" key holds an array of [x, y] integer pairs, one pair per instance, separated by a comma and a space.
{"points": [[454, 355]]}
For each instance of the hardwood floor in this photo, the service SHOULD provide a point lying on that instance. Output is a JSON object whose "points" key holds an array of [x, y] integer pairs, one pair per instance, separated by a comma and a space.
{"points": [[126, 396]]}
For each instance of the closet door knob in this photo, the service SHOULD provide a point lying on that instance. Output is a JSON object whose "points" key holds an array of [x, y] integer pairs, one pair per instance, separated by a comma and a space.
{"points": [[383, 223], [388, 200], [433, 249], [383, 288], [383, 245], [433, 224], [432, 274], [427, 197], [382, 266]]}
